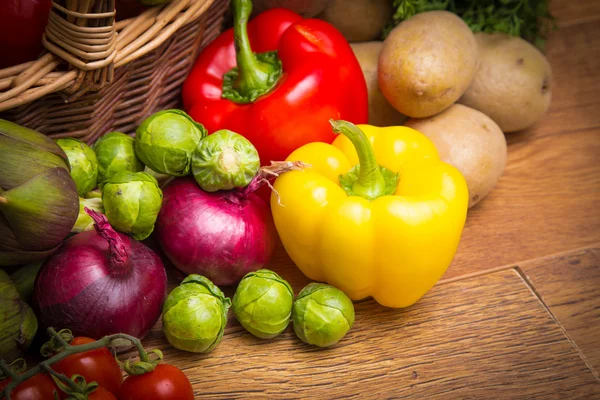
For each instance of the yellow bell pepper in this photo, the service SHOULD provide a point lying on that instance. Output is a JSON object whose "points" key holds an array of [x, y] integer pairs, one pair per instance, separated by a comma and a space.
{"points": [[377, 213]]}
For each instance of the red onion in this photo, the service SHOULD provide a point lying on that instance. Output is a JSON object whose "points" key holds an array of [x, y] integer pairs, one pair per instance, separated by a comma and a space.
{"points": [[101, 282], [222, 235]]}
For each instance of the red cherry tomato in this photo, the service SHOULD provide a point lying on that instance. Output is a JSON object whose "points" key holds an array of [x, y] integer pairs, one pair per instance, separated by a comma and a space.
{"points": [[166, 382], [95, 365], [101, 394], [38, 387]]}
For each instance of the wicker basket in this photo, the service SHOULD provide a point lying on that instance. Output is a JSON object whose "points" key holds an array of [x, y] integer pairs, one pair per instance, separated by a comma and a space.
{"points": [[100, 75]]}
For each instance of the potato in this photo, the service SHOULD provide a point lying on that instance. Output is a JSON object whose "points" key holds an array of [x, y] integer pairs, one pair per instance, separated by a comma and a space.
{"points": [[472, 142], [381, 113], [513, 83], [306, 8], [358, 20], [427, 62]]}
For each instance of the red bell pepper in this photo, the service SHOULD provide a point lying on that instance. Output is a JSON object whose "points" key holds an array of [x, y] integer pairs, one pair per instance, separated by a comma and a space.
{"points": [[302, 73]]}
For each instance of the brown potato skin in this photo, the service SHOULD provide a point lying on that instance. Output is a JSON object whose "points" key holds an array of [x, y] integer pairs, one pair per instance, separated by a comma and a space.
{"points": [[381, 113], [470, 141], [427, 62], [358, 20], [513, 83]]}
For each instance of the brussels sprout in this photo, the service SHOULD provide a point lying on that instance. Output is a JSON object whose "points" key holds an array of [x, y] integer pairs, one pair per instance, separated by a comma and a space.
{"points": [[18, 324], [195, 315], [263, 303], [322, 315], [84, 165], [24, 277], [115, 152], [84, 221], [224, 160], [166, 140], [132, 201]]}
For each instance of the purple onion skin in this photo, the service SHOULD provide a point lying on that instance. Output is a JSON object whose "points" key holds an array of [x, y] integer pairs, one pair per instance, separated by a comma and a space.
{"points": [[222, 235], [85, 287]]}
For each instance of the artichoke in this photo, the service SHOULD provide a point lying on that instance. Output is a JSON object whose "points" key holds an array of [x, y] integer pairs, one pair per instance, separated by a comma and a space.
{"points": [[115, 152], [132, 201], [263, 303], [322, 314], [18, 324], [224, 160], [195, 315], [84, 165], [38, 198], [166, 140]]}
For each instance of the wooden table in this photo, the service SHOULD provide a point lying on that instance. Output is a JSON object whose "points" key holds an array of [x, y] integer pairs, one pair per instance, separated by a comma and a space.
{"points": [[517, 314]]}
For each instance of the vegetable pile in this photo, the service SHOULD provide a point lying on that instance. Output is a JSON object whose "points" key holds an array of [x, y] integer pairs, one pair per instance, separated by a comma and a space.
{"points": [[273, 145]]}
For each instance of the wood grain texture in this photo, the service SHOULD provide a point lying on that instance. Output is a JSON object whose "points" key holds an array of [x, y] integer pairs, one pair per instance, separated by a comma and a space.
{"points": [[569, 285], [574, 12], [485, 337]]}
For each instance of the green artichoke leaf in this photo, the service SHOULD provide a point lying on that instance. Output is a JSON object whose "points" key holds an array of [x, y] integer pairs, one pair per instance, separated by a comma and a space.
{"points": [[18, 323], [166, 140], [47, 200], [20, 160]]}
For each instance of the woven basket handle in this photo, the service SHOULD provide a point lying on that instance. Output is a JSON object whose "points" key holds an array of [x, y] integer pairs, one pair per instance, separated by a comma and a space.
{"points": [[83, 33]]}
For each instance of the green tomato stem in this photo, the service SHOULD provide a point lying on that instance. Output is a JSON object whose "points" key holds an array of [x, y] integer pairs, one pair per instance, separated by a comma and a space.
{"points": [[67, 351], [254, 75], [370, 183]]}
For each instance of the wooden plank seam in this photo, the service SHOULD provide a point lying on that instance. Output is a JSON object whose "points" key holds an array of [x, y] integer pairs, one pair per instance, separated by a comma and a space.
{"points": [[531, 287]]}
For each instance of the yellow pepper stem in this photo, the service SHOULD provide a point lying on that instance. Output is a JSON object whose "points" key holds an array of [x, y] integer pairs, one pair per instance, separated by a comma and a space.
{"points": [[370, 182]]}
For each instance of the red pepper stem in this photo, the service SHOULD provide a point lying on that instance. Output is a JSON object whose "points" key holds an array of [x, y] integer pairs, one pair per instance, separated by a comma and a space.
{"points": [[370, 183], [254, 75]]}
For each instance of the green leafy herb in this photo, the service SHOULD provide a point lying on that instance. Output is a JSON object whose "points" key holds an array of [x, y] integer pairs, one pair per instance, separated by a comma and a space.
{"points": [[529, 19]]}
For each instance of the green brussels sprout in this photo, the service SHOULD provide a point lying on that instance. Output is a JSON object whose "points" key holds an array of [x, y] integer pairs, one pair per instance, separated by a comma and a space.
{"points": [[322, 315], [84, 221], [195, 315], [115, 152], [24, 277], [224, 160], [166, 140], [132, 201], [263, 303], [84, 165]]}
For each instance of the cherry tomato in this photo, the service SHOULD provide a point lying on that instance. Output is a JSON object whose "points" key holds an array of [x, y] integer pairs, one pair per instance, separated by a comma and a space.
{"points": [[101, 394], [95, 365], [166, 382], [38, 387]]}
